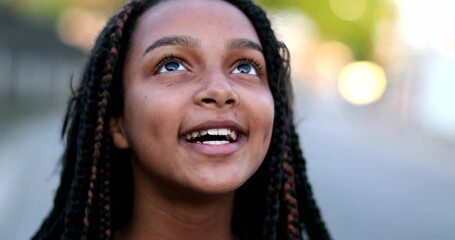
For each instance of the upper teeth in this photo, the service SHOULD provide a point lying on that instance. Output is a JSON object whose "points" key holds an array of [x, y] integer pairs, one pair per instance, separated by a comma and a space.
{"points": [[228, 133]]}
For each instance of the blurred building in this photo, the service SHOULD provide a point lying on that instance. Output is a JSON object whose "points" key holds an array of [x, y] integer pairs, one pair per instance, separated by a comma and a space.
{"points": [[35, 67], [35, 76]]}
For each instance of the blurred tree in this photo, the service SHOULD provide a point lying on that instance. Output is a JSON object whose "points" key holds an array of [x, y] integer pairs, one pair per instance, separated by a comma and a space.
{"points": [[352, 22], [48, 10]]}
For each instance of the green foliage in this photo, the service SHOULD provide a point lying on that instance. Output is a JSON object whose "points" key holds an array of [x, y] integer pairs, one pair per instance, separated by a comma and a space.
{"points": [[357, 34]]}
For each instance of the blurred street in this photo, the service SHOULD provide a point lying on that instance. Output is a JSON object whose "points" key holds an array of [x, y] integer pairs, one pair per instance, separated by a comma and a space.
{"points": [[29, 172], [374, 180]]}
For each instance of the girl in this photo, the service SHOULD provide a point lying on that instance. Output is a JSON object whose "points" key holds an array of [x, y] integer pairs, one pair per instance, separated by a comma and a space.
{"points": [[182, 129]]}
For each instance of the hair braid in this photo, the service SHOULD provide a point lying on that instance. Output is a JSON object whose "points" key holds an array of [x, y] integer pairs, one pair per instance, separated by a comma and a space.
{"points": [[54, 224], [295, 229], [309, 211], [277, 173], [99, 167], [82, 122], [289, 193], [75, 206], [104, 195]]}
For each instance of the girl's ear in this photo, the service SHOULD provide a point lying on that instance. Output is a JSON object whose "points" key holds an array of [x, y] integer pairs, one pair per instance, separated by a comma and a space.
{"points": [[118, 133]]}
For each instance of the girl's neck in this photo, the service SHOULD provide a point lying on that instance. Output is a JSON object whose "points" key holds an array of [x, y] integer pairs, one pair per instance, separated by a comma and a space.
{"points": [[178, 216]]}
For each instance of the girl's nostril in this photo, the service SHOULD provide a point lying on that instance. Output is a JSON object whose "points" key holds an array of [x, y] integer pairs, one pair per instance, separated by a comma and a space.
{"points": [[230, 101], [208, 100]]}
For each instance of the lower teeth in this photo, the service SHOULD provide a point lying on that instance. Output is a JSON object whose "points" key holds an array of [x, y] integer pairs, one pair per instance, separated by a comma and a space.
{"points": [[215, 142]]}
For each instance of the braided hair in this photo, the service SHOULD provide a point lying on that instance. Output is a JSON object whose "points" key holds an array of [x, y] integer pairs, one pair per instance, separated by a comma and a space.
{"points": [[95, 197]]}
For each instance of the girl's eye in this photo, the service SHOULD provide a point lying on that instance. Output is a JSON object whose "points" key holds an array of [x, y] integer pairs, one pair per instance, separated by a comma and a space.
{"points": [[246, 68], [170, 65]]}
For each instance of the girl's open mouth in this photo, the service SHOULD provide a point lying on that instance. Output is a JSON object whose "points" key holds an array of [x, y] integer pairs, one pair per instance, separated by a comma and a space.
{"points": [[214, 136]]}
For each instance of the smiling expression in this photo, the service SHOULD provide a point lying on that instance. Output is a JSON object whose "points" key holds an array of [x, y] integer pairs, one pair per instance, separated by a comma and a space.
{"points": [[198, 112]]}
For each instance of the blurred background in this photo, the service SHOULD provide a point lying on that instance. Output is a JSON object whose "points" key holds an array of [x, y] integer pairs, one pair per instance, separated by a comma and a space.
{"points": [[373, 81]]}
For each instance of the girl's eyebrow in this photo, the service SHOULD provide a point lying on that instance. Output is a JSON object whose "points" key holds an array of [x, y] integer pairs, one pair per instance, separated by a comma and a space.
{"points": [[243, 43], [187, 41]]}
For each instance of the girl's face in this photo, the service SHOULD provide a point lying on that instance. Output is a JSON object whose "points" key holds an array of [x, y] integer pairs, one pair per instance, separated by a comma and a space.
{"points": [[198, 112]]}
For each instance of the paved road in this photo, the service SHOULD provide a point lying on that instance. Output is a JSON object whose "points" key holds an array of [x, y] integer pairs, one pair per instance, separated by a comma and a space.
{"points": [[378, 180], [372, 179], [29, 155]]}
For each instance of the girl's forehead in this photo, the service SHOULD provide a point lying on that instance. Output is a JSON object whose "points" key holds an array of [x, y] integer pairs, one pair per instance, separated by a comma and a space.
{"points": [[198, 18]]}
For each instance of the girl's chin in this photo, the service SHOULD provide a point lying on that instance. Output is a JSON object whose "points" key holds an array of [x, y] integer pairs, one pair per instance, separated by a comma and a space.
{"points": [[218, 178], [215, 186], [218, 188]]}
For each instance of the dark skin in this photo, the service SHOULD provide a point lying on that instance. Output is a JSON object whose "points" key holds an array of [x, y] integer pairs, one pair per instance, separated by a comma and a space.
{"points": [[214, 80]]}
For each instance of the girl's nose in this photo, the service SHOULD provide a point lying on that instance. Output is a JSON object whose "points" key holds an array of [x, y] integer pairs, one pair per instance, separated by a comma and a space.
{"points": [[217, 92]]}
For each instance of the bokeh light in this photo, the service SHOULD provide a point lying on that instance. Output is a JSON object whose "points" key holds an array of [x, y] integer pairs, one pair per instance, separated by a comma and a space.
{"points": [[349, 10], [362, 82], [298, 32], [331, 57], [79, 28]]}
